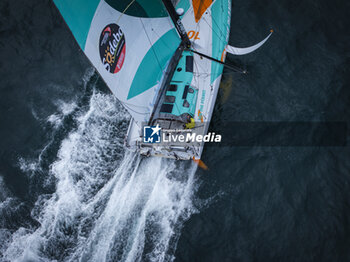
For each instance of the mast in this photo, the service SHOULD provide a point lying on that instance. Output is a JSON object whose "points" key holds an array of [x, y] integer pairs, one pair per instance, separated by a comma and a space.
{"points": [[177, 22], [185, 44]]}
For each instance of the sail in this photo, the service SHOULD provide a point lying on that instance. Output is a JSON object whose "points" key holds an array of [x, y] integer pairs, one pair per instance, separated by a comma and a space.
{"points": [[128, 42], [199, 7], [246, 50]]}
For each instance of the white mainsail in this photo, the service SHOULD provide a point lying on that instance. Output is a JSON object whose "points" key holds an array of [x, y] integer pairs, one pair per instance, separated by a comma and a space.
{"points": [[130, 47]]}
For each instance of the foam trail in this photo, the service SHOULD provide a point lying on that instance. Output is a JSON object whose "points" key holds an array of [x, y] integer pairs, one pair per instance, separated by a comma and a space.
{"points": [[109, 205], [10, 209], [144, 208]]}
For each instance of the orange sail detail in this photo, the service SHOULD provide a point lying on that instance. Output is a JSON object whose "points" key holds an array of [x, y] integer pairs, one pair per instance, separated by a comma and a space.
{"points": [[199, 7]]}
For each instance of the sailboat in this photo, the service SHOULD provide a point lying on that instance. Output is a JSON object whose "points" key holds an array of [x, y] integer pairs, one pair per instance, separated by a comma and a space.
{"points": [[162, 59]]}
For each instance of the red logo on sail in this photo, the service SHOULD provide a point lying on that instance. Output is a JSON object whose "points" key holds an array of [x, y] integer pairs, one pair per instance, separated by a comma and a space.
{"points": [[112, 48]]}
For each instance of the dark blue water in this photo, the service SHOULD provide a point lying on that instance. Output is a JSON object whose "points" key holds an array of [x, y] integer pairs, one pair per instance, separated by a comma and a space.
{"points": [[63, 197]]}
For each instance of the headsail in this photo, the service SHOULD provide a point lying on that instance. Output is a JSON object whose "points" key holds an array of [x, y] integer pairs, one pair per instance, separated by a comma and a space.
{"points": [[128, 42], [246, 50]]}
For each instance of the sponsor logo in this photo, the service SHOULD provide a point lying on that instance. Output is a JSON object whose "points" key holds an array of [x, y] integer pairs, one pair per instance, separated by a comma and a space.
{"points": [[151, 134], [112, 48], [193, 34]]}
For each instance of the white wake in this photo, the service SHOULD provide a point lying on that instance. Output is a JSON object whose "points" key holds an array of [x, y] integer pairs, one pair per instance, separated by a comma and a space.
{"points": [[109, 204]]}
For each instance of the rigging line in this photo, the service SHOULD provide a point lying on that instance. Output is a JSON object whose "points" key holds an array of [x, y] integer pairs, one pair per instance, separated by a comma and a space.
{"points": [[136, 106], [201, 74], [197, 80], [210, 13], [222, 33], [197, 83], [131, 104], [211, 27], [197, 66], [130, 109], [198, 74], [216, 24], [126, 8], [220, 37], [128, 106], [197, 30], [196, 77], [149, 40]]}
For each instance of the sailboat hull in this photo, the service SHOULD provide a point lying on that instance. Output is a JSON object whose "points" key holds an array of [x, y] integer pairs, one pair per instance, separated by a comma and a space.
{"points": [[208, 33], [137, 51]]}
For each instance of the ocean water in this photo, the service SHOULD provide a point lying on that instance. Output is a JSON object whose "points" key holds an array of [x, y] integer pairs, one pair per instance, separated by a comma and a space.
{"points": [[69, 191]]}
